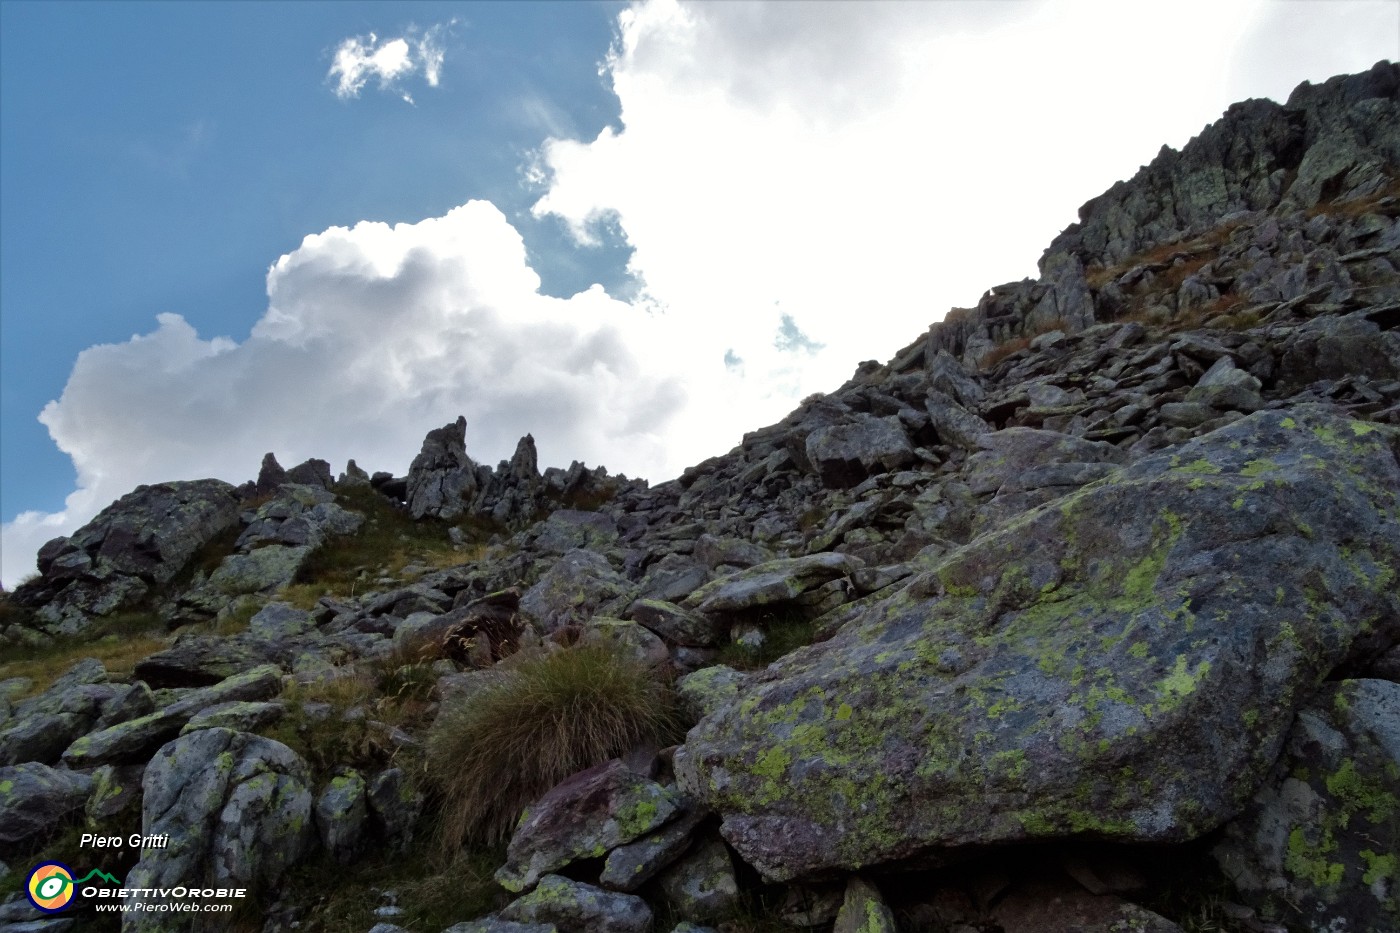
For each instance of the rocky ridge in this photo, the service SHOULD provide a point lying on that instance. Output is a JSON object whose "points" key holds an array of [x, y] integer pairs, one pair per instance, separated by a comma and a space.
{"points": [[1107, 561]]}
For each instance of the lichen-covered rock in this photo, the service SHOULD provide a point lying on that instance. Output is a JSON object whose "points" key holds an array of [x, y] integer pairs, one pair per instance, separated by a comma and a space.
{"points": [[772, 582], [196, 660], [1084, 671], [35, 800], [40, 727], [863, 910], [1317, 846], [701, 885], [627, 639], [279, 620], [580, 908], [134, 740], [709, 689], [678, 626], [238, 715], [236, 808], [394, 806], [583, 817], [631, 865], [342, 816], [578, 586]]}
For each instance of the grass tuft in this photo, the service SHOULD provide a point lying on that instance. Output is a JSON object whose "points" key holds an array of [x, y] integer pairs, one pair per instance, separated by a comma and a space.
{"points": [[550, 716]]}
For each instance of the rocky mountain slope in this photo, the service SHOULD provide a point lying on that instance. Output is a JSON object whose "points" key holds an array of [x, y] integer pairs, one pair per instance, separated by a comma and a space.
{"points": [[1080, 613]]}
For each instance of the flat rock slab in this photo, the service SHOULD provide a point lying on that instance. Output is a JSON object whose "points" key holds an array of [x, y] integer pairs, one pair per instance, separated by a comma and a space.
{"points": [[774, 581], [1082, 672]]}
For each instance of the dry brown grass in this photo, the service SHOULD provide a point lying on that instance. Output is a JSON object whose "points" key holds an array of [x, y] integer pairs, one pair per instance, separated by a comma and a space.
{"points": [[549, 717], [1002, 350]]}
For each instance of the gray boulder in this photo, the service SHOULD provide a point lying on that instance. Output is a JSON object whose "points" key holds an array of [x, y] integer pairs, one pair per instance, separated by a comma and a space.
{"points": [[771, 583], [35, 800], [678, 626], [42, 726], [1007, 456], [143, 539], [864, 910], [1079, 673], [583, 817], [580, 908], [701, 886], [1316, 846], [394, 806], [342, 816], [237, 809], [845, 454], [134, 740], [632, 865], [578, 586]]}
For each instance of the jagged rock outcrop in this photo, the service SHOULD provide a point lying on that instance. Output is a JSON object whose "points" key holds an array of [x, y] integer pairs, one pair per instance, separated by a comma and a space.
{"points": [[443, 482], [142, 540]]}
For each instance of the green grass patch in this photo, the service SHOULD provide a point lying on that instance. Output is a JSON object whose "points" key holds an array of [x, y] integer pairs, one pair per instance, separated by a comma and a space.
{"points": [[783, 634], [332, 737], [389, 540], [118, 641], [434, 892], [552, 715]]}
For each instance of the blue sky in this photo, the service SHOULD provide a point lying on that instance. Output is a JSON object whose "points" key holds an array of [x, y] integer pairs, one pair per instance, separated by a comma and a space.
{"points": [[636, 231]]}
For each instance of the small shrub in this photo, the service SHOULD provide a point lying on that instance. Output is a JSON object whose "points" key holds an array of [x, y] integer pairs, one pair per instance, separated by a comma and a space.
{"points": [[550, 716]]}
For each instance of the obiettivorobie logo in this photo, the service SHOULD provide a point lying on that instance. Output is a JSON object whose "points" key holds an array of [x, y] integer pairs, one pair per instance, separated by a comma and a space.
{"points": [[51, 885], [51, 888]]}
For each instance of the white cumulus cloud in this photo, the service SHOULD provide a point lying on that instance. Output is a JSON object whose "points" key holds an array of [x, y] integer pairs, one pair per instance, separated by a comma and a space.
{"points": [[373, 335], [360, 59]]}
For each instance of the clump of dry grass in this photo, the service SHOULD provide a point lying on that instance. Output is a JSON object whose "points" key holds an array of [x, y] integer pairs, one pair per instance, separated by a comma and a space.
{"points": [[547, 717]]}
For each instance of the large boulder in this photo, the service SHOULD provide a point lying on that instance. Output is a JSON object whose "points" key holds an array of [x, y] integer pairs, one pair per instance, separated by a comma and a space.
{"points": [[578, 586], [845, 454], [1122, 664], [236, 810], [42, 726], [1316, 848]]}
